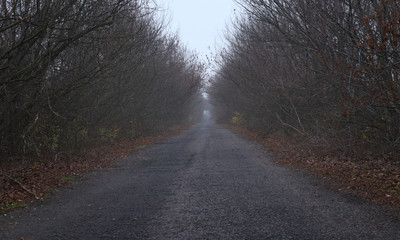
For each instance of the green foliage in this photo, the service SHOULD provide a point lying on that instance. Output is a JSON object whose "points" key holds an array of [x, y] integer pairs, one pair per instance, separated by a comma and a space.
{"points": [[11, 206], [82, 133], [368, 134], [43, 137], [46, 195], [132, 132], [51, 141], [70, 179], [109, 134], [141, 147], [237, 119], [79, 126]]}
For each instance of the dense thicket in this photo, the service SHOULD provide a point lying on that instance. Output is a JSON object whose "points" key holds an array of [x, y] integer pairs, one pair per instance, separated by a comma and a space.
{"points": [[74, 72], [325, 69]]}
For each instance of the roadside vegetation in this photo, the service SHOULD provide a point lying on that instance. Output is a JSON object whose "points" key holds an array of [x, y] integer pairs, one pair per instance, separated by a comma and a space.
{"points": [[319, 81], [28, 182], [76, 75]]}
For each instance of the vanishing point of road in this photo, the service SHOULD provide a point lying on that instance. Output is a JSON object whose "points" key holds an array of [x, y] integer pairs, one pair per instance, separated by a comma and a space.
{"points": [[207, 183]]}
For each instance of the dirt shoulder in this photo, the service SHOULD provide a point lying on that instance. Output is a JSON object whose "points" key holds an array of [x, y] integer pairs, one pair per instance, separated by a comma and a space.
{"points": [[25, 182], [374, 180]]}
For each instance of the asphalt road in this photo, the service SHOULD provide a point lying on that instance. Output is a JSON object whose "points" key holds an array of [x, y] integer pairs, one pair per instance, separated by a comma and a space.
{"points": [[207, 183]]}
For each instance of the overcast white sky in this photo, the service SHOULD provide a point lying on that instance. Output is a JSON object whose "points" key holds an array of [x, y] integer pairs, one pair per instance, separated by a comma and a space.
{"points": [[200, 23]]}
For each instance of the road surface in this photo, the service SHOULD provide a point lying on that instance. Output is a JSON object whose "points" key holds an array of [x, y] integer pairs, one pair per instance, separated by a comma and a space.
{"points": [[207, 183]]}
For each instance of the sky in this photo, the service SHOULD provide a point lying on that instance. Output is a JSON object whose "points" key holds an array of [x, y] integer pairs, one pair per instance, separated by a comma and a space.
{"points": [[200, 23]]}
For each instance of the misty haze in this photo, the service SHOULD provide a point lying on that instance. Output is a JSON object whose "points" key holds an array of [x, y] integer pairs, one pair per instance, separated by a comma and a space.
{"points": [[185, 119]]}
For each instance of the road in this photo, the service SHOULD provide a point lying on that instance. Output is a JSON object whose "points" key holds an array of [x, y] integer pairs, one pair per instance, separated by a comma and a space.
{"points": [[207, 183]]}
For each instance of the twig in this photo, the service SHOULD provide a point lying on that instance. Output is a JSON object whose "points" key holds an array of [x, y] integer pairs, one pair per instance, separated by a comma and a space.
{"points": [[51, 108], [20, 184], [56, 156], [288, 125]]}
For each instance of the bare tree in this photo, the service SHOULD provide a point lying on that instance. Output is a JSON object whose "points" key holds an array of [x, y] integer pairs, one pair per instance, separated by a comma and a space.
{"points": [[321, 68], [76, 72]]}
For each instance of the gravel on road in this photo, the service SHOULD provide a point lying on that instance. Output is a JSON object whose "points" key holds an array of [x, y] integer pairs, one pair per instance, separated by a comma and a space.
{"points": [[207, 183]]}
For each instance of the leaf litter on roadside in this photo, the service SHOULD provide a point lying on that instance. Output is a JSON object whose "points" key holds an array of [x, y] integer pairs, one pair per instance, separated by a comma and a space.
{"points": [[376, 180], [25, 182]]}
